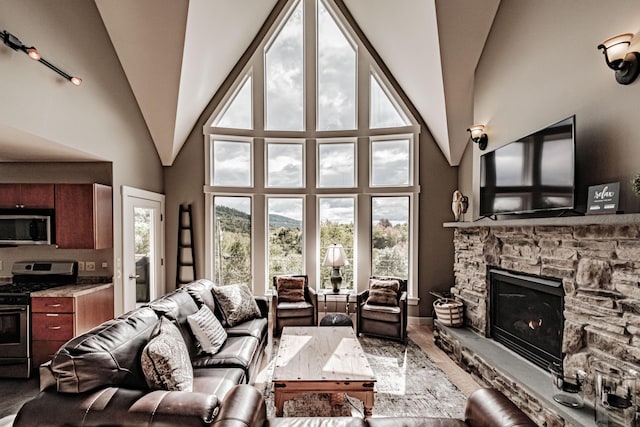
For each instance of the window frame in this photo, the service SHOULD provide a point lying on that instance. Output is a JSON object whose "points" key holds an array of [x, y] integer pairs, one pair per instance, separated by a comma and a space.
{"points": [[329, 141], [362, 192]]}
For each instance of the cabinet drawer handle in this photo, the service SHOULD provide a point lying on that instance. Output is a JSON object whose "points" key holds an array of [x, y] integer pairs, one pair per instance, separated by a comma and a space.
{"points": [[54, 305], [55, 328]]}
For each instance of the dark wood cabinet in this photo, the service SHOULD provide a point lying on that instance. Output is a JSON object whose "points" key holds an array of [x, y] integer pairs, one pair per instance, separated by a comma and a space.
{"points": [[84, 216], [27, 196], [60, 314]]}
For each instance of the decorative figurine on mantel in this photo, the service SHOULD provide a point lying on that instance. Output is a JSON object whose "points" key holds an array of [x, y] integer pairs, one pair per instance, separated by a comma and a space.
{"points": [[459, 204]]}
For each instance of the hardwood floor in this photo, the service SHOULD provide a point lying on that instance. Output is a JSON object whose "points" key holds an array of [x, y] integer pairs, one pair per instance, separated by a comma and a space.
{"points": [[423, 336], [15, 392]]}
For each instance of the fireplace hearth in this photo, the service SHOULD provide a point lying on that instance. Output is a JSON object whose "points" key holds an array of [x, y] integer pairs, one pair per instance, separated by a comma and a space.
{"points": [[526, 315]]}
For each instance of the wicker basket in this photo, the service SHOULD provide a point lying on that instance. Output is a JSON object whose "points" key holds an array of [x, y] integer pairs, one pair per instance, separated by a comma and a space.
{"points": [[449, 311]]}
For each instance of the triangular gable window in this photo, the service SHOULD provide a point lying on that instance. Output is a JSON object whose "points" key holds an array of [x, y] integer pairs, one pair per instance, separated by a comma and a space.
{"points": [[383, 111], [238, 112]]}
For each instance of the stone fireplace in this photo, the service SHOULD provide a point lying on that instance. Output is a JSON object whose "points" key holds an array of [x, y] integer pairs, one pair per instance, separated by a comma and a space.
{"points": [[596, 263]]}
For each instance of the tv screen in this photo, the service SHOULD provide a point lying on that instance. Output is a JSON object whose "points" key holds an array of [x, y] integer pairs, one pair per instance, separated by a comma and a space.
{"points": [[534, 173]]}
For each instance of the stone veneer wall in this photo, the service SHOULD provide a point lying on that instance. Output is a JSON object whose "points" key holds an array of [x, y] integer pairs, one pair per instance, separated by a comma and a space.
{"points": [[600, 270]]}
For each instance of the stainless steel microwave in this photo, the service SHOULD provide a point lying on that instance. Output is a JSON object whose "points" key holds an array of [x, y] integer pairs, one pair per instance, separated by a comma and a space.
{"points": [[26, 227]]}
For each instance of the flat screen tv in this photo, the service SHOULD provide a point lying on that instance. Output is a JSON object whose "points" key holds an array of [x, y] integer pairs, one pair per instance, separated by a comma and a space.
{"points": [[533, 174]]}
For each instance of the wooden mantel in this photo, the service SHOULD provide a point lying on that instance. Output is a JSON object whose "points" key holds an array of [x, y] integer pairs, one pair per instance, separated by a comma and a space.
{"points": [[552, 221]]}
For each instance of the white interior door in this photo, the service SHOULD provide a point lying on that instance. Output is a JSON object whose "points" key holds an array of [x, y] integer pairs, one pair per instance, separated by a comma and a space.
{"points": [[143, 246]]}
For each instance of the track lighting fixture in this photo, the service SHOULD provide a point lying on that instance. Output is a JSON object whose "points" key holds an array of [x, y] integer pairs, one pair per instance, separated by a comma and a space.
{"points": [[14, 43]]}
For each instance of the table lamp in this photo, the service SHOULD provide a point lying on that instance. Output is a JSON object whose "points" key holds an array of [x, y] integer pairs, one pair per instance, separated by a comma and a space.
{"points": [[335, 258]]}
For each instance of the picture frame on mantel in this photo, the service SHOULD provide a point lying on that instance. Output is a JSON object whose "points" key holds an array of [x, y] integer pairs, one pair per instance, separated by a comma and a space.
{"points": [[603, 199]]}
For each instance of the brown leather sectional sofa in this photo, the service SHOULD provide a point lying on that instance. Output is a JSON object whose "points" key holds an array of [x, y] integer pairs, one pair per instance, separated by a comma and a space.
{"points": [[244, 406], [96, 379]]}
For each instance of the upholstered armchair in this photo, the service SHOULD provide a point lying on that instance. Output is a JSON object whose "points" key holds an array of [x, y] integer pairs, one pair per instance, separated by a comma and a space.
{"points": [[294, 302], [382, 309]]}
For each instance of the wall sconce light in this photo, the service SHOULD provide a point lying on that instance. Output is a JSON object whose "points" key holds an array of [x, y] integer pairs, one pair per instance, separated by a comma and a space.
{"points": [[479, 136], [14, 43], [616, 53]]}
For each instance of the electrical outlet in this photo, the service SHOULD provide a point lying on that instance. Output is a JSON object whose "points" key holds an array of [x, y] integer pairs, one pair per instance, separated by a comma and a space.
{"points": [[90, 265], [80, 265]]}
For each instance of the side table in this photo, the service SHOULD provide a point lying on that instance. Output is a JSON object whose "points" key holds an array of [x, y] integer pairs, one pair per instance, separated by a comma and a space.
{"points": [[342, 294]]}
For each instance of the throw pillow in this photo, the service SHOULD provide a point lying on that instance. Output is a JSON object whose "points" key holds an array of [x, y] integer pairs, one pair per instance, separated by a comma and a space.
{"points": [[165, 360], [290, 289], [383, 292], [207, 329], [237, 303]]}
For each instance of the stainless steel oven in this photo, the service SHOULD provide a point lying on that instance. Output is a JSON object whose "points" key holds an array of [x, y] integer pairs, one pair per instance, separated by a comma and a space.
{"points": [[15, 336], [15, 310]]}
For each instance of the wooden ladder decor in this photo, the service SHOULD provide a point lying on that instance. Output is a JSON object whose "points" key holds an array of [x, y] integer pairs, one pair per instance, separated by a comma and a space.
{"points": [[186, 265]]}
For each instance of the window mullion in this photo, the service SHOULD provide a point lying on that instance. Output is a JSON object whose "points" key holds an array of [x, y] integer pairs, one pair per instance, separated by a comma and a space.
{"points": [[310, 57]]}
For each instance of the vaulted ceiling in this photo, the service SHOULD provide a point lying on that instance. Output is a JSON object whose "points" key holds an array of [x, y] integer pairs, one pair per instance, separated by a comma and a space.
{"points": [[177, 53]]}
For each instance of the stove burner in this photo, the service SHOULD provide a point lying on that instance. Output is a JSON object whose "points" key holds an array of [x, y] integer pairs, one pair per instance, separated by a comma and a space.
{"points": [[25, 288]]}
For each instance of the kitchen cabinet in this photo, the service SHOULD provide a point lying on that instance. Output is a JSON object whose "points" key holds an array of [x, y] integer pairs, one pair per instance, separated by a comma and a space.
{"points": [[27, 196], [59, 314], [84, 216]]}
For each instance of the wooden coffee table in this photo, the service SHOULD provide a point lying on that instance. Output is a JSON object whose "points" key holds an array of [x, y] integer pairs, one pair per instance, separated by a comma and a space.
{"points": [[321, 360]]}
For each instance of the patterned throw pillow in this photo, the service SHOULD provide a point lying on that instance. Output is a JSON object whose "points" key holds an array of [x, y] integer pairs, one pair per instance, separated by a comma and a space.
{"points": [[290, 289], [237, 303], [383, 292], [207, 329], [165, 360]]}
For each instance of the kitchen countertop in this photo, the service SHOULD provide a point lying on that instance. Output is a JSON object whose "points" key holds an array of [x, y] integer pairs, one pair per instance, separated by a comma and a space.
{"points": [[71, 290]]}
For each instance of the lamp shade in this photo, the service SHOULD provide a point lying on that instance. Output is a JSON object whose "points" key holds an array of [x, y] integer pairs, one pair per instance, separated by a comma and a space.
{"points": [[335, 257], [616, 47], [476, 131]]}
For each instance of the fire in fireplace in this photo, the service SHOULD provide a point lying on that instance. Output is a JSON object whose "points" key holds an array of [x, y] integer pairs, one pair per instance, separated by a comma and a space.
{"points": [[526, 315]]}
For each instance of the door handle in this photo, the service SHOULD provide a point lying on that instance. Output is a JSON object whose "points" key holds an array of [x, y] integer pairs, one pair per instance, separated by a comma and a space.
{"points": [[134, 276]]}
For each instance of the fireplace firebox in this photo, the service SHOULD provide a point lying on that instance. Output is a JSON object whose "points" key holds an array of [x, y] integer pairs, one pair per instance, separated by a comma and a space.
{"points": [[526, 315]]}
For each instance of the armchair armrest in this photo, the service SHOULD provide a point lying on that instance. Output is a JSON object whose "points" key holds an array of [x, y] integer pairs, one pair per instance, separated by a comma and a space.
{"points": [[403, 298], [263, 305], [313, 297], [362, 297], [243, 405], [126, 407]]}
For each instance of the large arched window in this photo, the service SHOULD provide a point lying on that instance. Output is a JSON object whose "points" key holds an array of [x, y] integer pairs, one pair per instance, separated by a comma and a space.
{"points": [[310, 147]]}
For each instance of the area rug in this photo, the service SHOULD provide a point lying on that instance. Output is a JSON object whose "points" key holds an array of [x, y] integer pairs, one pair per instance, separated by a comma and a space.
{"points": [[408, 383]]}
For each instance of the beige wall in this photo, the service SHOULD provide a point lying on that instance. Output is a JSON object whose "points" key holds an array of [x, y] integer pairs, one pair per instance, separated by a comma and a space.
{"points": [[99, 119], [541, 65]]}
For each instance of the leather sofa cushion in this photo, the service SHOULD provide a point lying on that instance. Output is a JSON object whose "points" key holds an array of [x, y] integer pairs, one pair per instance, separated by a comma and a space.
{"points": [[106, 355], [217, 382], [257, 328], [200, 291], [295, 309], [237, 352], [177, 306]]}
